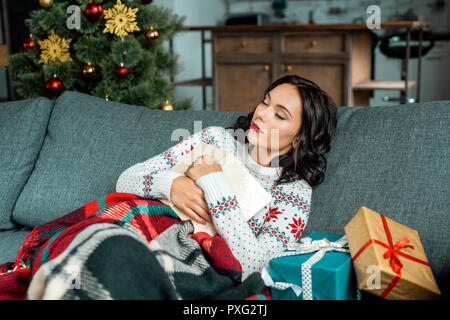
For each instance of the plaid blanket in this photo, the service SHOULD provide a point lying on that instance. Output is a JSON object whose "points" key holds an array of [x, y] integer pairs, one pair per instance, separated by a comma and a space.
{"points": [[121, 246]]}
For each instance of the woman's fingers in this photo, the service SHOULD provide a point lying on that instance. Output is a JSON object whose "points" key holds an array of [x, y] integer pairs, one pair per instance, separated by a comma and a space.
{"points": [[201, 209], [203, 204], [190, 199], [194, 216], [200, 200]]}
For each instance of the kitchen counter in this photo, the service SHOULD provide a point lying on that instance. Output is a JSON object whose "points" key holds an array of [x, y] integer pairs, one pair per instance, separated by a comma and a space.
{"points": [[313, 27]]}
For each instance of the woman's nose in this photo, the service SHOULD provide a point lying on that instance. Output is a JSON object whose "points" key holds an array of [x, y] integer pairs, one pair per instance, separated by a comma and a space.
{"points": [[258, 118], [263, 115]]}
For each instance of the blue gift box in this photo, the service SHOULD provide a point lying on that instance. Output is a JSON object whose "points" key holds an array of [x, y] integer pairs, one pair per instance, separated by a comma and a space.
{"points": [[333, 277]]}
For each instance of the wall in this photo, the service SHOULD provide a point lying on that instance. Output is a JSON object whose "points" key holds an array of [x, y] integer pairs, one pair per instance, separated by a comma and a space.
{"points": [[188, 45], [350, 10]]}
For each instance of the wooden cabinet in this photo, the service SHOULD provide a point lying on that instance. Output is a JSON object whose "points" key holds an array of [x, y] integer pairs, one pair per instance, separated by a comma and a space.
{"points": [[338, 57], [246, 63], [313, 42], [330, 77], [242, 85], [243, 44]]}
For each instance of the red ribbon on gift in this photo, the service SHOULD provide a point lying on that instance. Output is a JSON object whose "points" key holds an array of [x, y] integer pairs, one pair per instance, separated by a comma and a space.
{"points": [[393, 251]]}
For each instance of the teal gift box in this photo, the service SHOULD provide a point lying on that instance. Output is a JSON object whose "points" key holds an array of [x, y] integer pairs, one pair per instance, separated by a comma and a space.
{"points": [[332, 277]]}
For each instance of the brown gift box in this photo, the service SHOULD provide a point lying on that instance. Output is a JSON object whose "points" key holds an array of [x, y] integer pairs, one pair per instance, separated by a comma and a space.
{"points": [[388, 258]]}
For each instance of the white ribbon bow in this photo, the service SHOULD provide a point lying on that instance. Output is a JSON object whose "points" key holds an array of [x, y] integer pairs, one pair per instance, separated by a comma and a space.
{"points": [[307, 245]]}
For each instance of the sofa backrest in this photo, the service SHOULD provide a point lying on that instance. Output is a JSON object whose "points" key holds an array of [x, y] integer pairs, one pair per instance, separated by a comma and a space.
{"points": [[22, 131], [393, 160], [89, 143]]}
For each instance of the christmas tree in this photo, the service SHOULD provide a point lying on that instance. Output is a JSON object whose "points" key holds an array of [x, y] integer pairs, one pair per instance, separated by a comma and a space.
{"points": [[110, 49]]}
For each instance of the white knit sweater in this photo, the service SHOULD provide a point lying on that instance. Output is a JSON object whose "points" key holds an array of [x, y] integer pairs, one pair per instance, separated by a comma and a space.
{"points": [[251, 242]]}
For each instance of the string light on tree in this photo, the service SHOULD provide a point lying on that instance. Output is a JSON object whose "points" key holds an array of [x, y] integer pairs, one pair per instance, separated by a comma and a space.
{"points": [[89, 70], [28, 43]]}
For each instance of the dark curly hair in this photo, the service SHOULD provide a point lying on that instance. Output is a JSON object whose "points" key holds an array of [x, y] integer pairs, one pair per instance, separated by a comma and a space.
{"points": [[319, 122]]}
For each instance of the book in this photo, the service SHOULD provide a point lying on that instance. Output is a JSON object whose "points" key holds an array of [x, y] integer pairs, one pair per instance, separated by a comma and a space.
{"points": [[250, 195]]}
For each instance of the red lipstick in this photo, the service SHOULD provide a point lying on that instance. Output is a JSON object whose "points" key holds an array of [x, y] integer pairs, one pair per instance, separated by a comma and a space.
{"points": [[255, 127]]}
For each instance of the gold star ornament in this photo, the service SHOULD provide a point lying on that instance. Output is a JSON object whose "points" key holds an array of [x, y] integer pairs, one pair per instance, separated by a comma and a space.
{"points": [[120, 20], [54, 49]]}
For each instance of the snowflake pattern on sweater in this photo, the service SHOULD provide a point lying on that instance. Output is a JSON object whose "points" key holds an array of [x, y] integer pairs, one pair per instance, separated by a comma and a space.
{"points": [[252, 242]]}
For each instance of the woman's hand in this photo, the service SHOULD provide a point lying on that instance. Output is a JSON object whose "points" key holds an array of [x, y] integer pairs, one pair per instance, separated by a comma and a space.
{"points": [[189, 198], [202, 166]]}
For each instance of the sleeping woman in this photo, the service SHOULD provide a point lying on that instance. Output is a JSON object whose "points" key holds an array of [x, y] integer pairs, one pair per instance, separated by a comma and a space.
{"points": [[286, 138]]}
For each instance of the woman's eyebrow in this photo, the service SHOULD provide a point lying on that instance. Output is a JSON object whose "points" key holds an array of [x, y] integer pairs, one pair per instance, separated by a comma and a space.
{"points": [[281, 106]]}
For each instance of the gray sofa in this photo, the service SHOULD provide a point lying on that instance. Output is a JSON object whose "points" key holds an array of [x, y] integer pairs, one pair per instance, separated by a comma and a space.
{"points": [[57, 156]]}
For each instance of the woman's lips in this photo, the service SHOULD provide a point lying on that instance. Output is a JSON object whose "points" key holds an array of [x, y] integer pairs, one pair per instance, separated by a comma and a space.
{"points": [[254, 127]]}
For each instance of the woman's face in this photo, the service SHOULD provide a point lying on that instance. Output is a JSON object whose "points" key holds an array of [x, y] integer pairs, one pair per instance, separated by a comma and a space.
{"points": [[279, 118]]}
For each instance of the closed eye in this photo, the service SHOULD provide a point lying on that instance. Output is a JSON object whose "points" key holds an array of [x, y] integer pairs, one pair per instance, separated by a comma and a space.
{"points": [[277, 115]]}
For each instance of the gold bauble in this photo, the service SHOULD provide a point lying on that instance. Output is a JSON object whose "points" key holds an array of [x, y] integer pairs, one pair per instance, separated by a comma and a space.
{"points": [[46, 4], [152, 35], [89, 70], [167, 106]]}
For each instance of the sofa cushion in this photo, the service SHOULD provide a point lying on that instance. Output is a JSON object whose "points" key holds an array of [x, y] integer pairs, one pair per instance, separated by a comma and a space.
{"points": [[10, 243], [22, 130], [395, 161], [90, 142]]}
